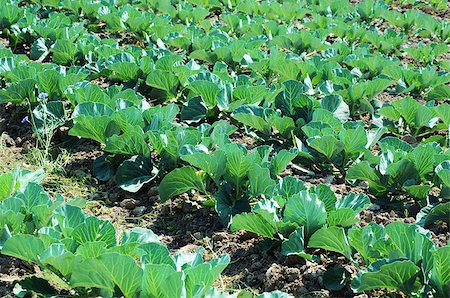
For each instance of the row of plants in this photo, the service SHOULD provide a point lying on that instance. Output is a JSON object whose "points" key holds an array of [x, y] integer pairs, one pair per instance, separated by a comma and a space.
{"points": [[101, 57], [174, 23], [84, 254], [318, 127]]}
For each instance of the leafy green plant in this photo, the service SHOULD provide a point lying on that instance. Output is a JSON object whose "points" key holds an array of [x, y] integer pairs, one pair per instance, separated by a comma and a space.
{"points": [[359, 96], [405, 21], [370, 10], [399, 167], [84, 253], [291, 213], [426, 54], [10, 15], [328, 141], [409, 116], [427, 82], [230, 175], [398, 257]]}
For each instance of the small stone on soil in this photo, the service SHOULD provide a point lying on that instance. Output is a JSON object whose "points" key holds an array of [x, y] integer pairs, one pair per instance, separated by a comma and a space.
{"points": [[153, 191], [189, 248], [129, 203], [139, 211]]}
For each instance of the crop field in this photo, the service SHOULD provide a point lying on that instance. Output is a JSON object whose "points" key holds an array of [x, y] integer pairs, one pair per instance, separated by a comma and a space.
{"points": [[224, 148]]}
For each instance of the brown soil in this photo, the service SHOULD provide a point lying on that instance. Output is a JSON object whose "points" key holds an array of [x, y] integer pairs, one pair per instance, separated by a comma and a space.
{"points": [[11, 271]]}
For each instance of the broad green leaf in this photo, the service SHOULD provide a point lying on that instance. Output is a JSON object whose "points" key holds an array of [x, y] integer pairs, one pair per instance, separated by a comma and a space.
{"points": [[443, 172], [204, 275], [91, 121], [129, 119], [326, 118], [443, 110], [418, 191], [228, 204], [48, 81], [423, 159], [164, 80], [441, 92], [363, 171], [342, 217], [238, 162], [259, 181], [194, 109], [407, 239], [255, 223], [282, 159], [59, 258], [168, 62], [255, 117], [131, 143], [7, 185], [64, 52], [357, 202], [388, 111], [156, 253], [407, 107], [326, 195], [179, 181], [288, 70], [316, 129], [123, 71], [139, 235], [432, 213], [335, 278], [402, 171], [160, 116], [18, 92], [94, 229], [40, 49], [295, 245], [354, 140], [305, 209], [440, 274], [292, 102], [212, 163], [69, 217], [385, 274], [284, 125], [394, 144], [333, 239], [208, 90], [34, 196], [336, 105], [106, 272], [91, 249], [162, 281], [11, 220], [327, 145], [365, 240], [133, 173], [291, 186], [376, 86], [92, 109], [25, 247]]}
